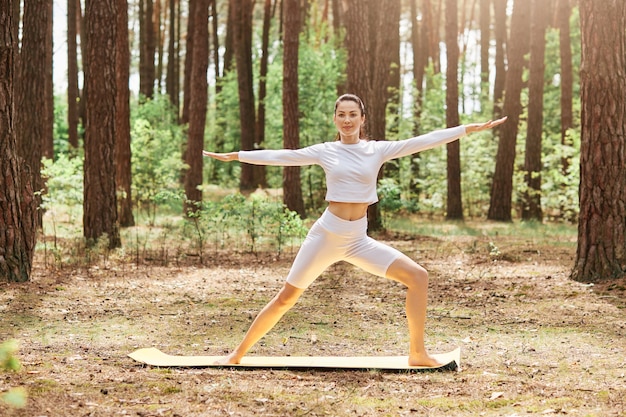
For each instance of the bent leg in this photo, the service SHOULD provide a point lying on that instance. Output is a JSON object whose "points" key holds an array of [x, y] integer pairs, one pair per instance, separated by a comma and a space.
{"points": [[264, 321], [415, 277]]}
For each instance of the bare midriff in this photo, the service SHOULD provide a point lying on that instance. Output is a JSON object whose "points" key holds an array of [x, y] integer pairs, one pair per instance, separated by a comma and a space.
{"points": [[348, 211]]}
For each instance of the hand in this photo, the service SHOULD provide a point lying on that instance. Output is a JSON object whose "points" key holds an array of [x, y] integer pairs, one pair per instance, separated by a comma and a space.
{"points": [[226, 157], [477, 127]]}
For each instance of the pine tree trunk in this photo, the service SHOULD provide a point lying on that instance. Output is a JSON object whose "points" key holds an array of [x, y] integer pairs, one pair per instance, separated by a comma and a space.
{"points": [[122, 119], [531, 209], [100, 199], [502, 186], [564, 12], [499, 11], [72, 73], [485, 37], [17, 202], [601, 251], [292, 188], [197, 107], [454, 199]]}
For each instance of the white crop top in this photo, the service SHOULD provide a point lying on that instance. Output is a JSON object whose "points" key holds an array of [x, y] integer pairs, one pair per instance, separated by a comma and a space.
{"points": [[351, 169]]}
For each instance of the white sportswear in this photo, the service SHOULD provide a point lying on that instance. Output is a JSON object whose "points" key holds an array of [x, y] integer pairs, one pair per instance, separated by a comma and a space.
{"points": [[352, 169]]}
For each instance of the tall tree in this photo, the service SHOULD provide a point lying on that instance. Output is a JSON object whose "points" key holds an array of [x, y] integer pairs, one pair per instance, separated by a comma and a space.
{"points": [[564, 12], [454, 200], [502, 186], [100, 200], [197, 105], [33, 124], [485, 38], [73, 95], [171, 79], [188, 62], [499, 11], [122, 118], [18, 230], [356, 21], [531, 208], [263, 68], [147, 48], [242, 26], [291, 113], [601, 251]]}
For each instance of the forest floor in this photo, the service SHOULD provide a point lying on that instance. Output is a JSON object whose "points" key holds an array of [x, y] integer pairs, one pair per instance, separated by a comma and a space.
{"points": [[533, 342]]}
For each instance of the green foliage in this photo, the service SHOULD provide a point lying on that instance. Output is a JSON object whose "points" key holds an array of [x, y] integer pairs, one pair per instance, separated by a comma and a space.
{"points": [[244, 223], [15, 397], [156, 145]]}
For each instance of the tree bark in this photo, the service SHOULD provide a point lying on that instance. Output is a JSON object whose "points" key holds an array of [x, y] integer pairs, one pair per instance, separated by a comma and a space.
{"points": [[242, 21], [33, 123], [601, 251], [292, 188], [122, 119], [531, 208], [502, 186], [18, 224], [147, 48], [73, 95], [100, 200], [197, 106], [564, 12], [499, 11], [485, 37], [454, 197]]}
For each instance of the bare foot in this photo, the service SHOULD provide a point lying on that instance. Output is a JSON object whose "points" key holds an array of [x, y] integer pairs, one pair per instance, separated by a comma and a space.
{"points": [[423, 359], [232, 359]]}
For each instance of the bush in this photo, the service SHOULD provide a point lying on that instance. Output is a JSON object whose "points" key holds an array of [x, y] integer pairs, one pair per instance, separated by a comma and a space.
{"points": [[15, 397]]}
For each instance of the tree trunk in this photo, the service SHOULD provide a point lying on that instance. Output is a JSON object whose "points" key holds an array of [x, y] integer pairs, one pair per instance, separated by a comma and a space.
{"points": [[292, 188], [485, 37], [122, 119], [242, 21], [531, 208], [18, 227], [564, 11], [31, 98], [601, 251], [147, 48], [260, 117], [454, 199], [502, 186], [100, 200], [47, 149], [72, 74], [419, 65], [172, 58], [356, 21], [197, 106], [499, 11], [188, 62]]}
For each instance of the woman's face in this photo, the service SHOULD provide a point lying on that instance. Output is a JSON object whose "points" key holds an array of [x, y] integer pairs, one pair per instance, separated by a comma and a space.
{"points": [[348, 118]]}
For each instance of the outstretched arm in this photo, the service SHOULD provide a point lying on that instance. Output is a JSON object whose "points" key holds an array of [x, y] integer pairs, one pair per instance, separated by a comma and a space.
{"points": [[226, 157], [477, 127]]}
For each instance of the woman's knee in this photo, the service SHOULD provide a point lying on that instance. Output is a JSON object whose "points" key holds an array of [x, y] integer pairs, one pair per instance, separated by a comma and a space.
{"points": [[408, 273], [288, 296]]}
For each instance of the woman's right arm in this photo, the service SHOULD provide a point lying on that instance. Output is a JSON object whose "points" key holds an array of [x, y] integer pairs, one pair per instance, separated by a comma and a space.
{"points": [[226, 157]]}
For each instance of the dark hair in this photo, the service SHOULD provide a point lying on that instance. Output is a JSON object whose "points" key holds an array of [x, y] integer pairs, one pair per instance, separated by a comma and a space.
{"points": [[357, 100], [351, 97]]}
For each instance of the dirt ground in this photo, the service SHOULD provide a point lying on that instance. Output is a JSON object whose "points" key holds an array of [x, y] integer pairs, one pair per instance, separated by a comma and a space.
{"points": [[533, 342]]}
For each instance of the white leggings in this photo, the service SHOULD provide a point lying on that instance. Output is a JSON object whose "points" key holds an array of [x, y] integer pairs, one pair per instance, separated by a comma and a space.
{"points": [[332, 239]]}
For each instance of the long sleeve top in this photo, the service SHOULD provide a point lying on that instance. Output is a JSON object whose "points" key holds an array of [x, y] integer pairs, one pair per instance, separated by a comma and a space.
{"points": [[352, 169]]}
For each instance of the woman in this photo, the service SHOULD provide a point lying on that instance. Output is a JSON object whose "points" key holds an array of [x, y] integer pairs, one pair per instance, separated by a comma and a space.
{"points": [[351, 165]]}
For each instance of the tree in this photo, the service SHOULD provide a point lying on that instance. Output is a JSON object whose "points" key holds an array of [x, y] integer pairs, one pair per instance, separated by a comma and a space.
{"points": [[197, 105], [33, 124], [485, 32], [499, 11], [73, 15], [531, 208], [122, 118], [100, 201], [171, 79], [263, 69], [242, 26], [147, 48], [454, 200], [356, 21], [502, 185], [564, 11], [18, 230], [291, 113], [601, 250]]}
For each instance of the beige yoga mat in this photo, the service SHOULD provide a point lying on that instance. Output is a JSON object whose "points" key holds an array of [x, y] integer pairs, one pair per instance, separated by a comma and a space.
{"points": [[154, 357]]}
